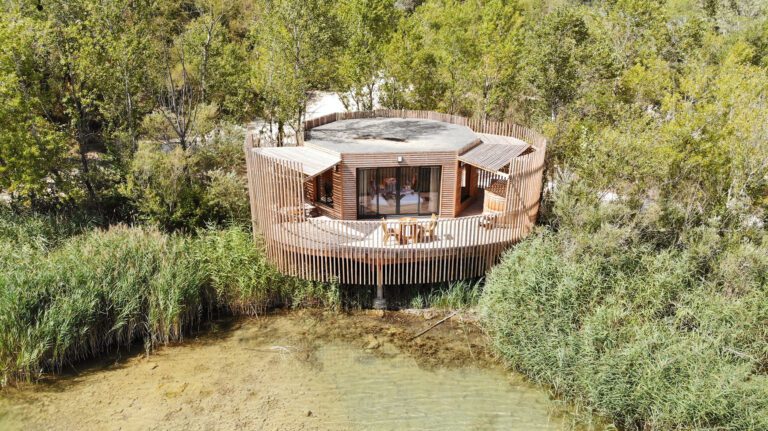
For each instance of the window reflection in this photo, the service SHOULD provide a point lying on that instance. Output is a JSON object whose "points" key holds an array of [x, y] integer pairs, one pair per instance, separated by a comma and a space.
{"points": [[324, 188], [408, 190]]}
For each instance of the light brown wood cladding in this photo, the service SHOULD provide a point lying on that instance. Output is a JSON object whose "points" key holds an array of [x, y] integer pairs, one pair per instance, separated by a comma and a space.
{"points": [[351, 162], [309, 190]]}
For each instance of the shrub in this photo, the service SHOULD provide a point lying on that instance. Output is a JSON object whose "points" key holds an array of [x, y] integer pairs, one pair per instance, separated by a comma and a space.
{"points": [[185, 189], [161, 186]]}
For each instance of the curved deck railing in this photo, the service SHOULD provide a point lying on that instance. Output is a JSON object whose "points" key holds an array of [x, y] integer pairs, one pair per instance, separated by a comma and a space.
{"points": [[355, 252]]}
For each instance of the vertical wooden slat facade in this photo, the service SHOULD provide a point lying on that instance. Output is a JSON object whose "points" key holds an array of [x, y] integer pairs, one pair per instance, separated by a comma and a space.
{"points": [[353, 251]]}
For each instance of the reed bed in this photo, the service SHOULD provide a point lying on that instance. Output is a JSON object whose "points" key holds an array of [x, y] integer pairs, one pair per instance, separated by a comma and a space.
{"points": [[457, 295], [654, 338], [67, 298]]}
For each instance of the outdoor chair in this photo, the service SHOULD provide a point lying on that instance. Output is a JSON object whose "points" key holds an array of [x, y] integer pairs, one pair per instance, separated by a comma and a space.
{"points": [[489, 221], [430, 231], [389, 232]]}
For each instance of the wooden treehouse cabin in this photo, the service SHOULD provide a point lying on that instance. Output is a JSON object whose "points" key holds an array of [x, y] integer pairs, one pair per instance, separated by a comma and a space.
{"points": [[395, 197]]}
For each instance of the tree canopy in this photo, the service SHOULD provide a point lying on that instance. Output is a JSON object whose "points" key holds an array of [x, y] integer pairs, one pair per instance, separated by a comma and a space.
{"points": [[675, 87]]}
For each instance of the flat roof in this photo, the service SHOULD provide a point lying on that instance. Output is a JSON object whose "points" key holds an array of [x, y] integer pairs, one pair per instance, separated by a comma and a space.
{"points": [[312, 161], [391, 135]]}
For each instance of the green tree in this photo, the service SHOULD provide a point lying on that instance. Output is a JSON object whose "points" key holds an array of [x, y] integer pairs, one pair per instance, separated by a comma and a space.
{"points": [[32, 150], [83, 75], [555, 51], [296, 43], [457, 57], [368, 25]]}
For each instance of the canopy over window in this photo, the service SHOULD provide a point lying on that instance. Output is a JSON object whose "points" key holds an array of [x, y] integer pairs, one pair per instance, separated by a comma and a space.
{"points": [[494, 152], [313, 162]]}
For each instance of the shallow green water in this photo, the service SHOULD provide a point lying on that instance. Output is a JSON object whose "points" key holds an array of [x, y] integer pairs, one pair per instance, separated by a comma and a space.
{"points": [[388, 393], [289, 372]]}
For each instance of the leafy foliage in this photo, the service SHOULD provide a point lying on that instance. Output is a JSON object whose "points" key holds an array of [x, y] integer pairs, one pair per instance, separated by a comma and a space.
{"points": [[367, 26], [183, 189], [457, 57], [296, 43], [643, 295]]}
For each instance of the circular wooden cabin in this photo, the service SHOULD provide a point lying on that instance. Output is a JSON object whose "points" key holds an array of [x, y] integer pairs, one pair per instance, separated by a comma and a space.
{"points": [[395, 197]]}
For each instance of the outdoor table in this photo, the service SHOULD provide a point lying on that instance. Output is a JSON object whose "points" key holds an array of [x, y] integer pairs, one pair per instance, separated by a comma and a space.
{"points": [[410, 229]]}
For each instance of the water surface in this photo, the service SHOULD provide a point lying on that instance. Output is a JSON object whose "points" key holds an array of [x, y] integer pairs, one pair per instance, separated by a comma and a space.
{"points": [[294, 371], [390, 393]]}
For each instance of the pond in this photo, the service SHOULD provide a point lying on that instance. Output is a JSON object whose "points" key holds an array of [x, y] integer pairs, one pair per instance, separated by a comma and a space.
{"points": [[291, 371]]}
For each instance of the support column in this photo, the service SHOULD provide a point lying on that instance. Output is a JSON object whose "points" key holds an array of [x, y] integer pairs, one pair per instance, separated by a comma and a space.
{"points": [[379, 303]]}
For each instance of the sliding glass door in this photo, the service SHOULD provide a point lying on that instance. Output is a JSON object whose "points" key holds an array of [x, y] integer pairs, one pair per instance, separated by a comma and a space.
{"points": [[367, 193], [409, 195], [411, 190], [388, 189], [429, 190]]}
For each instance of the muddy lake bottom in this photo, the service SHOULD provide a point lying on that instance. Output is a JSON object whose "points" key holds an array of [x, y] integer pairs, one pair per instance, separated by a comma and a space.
{"points": [[299, 370]]}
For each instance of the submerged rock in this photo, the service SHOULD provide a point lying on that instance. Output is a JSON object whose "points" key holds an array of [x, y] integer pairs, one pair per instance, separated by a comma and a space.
{"points": [[372, 343], [375, 313]]}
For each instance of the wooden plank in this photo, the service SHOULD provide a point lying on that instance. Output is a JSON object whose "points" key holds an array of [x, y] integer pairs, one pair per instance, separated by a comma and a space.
{"points": [[492, 156]]}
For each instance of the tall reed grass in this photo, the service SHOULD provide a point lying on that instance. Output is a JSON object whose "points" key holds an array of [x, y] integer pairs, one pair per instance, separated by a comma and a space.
{"points": [[457, 295], [655, 338], [63, 299]]}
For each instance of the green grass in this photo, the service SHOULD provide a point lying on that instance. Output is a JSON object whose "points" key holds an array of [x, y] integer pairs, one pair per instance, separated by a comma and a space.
{"points": [[39, 230], [654, 338], [64, 298], [455, 296]]}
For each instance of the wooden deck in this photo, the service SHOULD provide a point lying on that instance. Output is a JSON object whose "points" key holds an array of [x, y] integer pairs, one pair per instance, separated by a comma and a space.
{"points": [[354, 251], [328, 249], [324, 235]]}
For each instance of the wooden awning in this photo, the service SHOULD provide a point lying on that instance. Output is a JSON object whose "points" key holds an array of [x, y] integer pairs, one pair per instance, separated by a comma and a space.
{"points": [[494, 152], [313, 162]]}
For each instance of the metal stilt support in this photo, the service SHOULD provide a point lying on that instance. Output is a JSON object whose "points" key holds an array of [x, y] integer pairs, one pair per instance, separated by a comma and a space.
{"points": [[379, 303]]}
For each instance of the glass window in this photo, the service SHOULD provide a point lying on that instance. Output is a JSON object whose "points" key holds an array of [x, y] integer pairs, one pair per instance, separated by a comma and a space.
{"points": [[324, 188], [410, 190], [466, 178]]}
